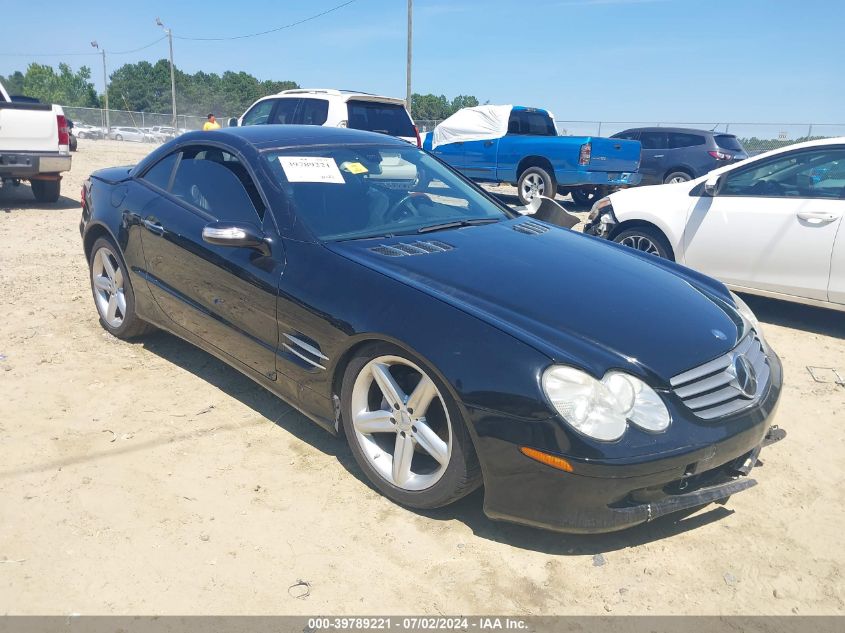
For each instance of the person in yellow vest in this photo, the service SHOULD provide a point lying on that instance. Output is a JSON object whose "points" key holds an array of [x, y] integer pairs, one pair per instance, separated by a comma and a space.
{"points": [[211, 124]]}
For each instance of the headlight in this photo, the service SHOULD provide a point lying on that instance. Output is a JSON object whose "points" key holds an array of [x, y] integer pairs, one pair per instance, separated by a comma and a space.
{"points": [[747, 313], [601, 409], [603, 203]]}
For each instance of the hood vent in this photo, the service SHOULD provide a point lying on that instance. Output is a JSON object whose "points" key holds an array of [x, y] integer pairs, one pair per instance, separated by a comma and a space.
{"points": [[412, 248], [530, 228]]}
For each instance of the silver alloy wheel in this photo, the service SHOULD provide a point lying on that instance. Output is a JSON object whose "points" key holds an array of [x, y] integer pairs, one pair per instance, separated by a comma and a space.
{"points": [[641, 243], [677, 179], [401, 435], [107, 278], [533, 185]]}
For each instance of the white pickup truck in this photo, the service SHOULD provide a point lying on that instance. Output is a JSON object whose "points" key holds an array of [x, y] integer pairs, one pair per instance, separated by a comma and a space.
{"points": [[34, 139]]}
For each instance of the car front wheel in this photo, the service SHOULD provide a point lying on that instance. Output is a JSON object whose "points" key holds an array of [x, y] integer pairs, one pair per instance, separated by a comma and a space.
{"points": [[647, 240], [405, 430], [113, 294]]}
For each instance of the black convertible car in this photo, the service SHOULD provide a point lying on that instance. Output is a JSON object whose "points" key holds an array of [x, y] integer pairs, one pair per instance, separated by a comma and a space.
{"points": [[453, 341]]}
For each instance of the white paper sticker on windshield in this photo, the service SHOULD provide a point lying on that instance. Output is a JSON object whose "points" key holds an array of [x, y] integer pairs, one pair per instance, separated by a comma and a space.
{"points": [[311, 169]]}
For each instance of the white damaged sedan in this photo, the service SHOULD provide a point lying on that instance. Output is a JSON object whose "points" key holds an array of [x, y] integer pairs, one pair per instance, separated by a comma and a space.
{"points": [[770, 225]]}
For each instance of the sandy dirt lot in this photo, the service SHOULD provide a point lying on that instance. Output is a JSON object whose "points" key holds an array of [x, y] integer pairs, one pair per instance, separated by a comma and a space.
{"points": [[148, 477]]}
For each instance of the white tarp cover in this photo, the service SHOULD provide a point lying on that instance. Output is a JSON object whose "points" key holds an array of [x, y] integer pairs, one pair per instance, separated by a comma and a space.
{"points": [[480, 123]]}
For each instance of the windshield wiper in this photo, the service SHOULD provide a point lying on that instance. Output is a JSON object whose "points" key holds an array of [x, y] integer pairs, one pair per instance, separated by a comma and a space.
{"points": [[455, 224]]}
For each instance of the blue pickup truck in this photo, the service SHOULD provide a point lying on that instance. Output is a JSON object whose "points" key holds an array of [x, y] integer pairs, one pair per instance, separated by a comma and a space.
{"points": [[520, 146]]}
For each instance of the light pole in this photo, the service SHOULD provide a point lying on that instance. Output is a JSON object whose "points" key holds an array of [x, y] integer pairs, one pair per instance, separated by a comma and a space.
{"points": [[410, 47], [105, 85], [172, 75]]}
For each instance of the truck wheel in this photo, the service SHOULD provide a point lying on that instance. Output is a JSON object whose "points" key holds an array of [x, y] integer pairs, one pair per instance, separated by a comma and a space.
{"points": [[586, 196], [677, 176], [535, 181], [646, 239], [46, 190]]}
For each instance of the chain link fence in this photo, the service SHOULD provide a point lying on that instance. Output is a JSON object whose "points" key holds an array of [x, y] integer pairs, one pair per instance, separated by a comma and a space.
{"points": [[142, 120], [755, 137]]}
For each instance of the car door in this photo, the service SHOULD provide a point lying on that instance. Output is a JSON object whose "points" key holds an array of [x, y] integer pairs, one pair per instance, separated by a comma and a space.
{"points": [[653, 156], [223, 295], [773, 223], [836, 286], [480, 159]]}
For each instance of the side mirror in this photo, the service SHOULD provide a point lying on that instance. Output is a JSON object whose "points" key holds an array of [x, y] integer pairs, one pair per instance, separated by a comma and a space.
{"points": [[233, 122], [712, 186], [548, 210], [235, 234]]}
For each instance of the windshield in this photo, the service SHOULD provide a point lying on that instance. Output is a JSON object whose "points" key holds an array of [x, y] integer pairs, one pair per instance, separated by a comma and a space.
{"points": [[358, 192]]}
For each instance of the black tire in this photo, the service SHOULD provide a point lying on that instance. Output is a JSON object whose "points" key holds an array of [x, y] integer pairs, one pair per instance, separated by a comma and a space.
{"points": [[72, 142], [677, 176], [549, 186], [118, 137], [646, 239], [132, 326], [585, 196], [46, 190], [462, 473]]}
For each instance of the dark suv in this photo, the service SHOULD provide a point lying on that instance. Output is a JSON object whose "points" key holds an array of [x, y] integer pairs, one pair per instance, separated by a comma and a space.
{"points": [[678, 154]]}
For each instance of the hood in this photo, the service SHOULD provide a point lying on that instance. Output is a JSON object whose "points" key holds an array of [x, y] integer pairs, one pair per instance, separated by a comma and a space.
{"points": [[577, 299]]}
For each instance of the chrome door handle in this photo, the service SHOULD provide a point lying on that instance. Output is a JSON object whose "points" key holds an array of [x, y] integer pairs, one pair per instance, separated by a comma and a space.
{"points": [[153, 226], [818, 216], [658, 156]]}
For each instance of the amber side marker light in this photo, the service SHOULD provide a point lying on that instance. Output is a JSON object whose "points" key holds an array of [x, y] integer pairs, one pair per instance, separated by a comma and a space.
{"points": [[545, 458]]}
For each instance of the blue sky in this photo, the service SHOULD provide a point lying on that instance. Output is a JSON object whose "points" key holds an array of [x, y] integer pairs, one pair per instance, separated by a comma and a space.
{"points": [[623, 60]]}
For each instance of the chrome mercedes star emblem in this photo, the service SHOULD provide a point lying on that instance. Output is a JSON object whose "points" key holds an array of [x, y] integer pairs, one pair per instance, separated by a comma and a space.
{"points": [[745, 378], [719, 335]]}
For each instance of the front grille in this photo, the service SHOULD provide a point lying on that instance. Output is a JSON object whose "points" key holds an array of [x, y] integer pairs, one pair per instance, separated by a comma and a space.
{"points": [[727, 384]]}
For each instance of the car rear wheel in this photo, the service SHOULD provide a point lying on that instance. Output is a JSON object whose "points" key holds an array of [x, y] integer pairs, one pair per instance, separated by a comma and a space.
{"points": [[46, 190], [405, 430], [113, 294], [118, 137], [533, 182], [676, 177], [647, 240]]}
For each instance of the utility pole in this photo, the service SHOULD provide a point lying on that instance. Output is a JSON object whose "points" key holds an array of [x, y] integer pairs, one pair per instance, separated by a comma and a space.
{"points": [[105, 84], [410, 49], [172, 75]]}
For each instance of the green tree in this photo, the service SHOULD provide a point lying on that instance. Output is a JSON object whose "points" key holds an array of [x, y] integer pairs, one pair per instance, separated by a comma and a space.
{"points": [[65, 87], [431, 106], [13, 83]]}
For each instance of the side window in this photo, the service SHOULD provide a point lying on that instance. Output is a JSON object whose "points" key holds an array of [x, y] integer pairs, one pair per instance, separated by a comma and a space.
{"points": [[807, 174], [678, 140], [260, 113], [160, 173], [216, 181], [654, 140], [285, 109], [531, 124], [628, 136], [313, 111]]}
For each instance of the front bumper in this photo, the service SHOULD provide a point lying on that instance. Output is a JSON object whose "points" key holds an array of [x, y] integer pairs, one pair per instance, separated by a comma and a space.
{"points": [[605, 495], [29, 164]]}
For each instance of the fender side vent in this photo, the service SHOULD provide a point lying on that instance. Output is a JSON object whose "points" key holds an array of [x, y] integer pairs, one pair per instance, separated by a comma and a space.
{"points": [[530, 228], [412, 248]]}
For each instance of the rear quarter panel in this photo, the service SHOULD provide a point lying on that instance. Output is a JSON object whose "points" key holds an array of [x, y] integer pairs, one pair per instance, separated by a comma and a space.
{"points": [[664, 206]]}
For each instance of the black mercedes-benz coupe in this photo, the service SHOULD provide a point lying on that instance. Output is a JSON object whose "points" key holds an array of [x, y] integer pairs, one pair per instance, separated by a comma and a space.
{"points": [[452, 340]]}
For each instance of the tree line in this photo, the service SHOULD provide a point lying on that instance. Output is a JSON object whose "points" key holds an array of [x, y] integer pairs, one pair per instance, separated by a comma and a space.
{"points": [[145, 87]]}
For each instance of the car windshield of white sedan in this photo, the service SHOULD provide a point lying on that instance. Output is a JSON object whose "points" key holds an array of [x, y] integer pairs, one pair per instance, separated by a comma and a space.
{"points": [[344, 193]]}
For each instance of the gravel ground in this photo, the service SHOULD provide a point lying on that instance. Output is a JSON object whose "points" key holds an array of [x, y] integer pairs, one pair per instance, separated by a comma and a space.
{"points": [[150, 478]]}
